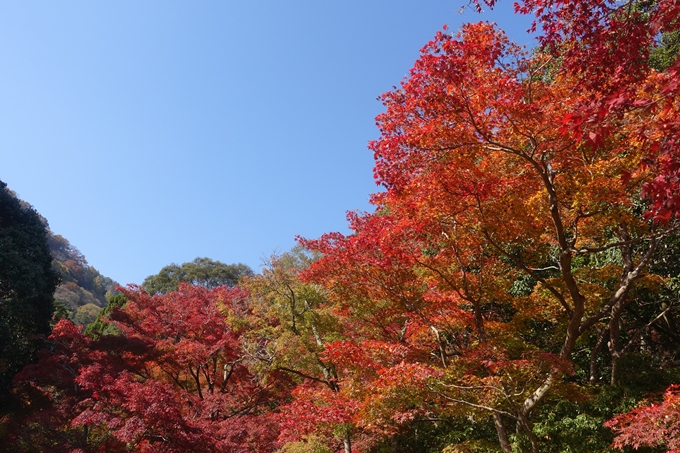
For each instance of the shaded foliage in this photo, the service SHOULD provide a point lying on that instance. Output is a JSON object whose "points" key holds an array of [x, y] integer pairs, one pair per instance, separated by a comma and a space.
{"points": [[27, 282]]}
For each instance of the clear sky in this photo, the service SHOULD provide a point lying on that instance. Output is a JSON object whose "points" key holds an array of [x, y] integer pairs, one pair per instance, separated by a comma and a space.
{"points": [[151, 132]]}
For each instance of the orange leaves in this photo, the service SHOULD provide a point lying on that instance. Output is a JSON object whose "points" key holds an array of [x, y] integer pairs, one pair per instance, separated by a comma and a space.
{"points": [[318, 413], [442, 98], [398, 396], [606, 49], [510, 223]]}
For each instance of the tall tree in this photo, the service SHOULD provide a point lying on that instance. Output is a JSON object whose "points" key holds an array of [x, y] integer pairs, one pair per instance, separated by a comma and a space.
{"points": [[496, 217], [27, 283]]}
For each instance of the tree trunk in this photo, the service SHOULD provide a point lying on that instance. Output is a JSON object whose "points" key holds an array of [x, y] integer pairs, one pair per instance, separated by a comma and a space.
{"points": [[502, 434], [348, 444], [594, 372]]}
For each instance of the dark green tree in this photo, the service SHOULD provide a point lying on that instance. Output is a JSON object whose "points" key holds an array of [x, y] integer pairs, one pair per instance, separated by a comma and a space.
{"points": [[27, 283], [60, 312], [101, 326], [201, 271]]}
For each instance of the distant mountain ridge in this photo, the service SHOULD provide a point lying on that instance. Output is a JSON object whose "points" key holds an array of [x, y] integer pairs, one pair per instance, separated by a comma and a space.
{"points": [[83, 290]]}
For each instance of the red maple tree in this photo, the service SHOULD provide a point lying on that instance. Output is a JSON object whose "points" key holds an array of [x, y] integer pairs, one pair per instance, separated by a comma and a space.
{"points": [[653, 425], [493, 179], [174, 380]]}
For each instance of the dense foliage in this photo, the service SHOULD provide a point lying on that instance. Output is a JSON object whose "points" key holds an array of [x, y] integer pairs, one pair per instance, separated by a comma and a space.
{"points": [[173, 379], [27, 282], [505, 244], [201, 271]]}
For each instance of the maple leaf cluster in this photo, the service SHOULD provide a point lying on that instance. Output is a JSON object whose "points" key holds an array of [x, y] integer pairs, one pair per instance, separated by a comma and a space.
{"points": [[657, 424], [173, 380]]}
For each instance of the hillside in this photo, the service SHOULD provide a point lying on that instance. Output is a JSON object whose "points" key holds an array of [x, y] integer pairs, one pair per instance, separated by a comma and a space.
{"points": [[83, 290]]}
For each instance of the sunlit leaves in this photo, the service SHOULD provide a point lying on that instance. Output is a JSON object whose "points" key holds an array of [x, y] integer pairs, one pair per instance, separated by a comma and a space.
{"points": [[174, 379]]}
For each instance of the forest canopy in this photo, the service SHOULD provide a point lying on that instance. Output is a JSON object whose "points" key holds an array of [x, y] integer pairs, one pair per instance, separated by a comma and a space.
{"points": [[515, 288]]}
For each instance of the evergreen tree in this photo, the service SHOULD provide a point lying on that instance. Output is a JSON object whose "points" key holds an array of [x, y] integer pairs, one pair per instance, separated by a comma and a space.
{"points": [[27, 283]]}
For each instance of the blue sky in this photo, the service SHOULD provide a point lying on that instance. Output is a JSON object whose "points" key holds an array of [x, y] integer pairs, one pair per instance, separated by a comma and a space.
{"points": [[152, 132]]}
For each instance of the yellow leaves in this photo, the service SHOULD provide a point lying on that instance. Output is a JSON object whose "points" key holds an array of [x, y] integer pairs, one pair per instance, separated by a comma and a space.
{"points": [[310, 444], [470, 446]]}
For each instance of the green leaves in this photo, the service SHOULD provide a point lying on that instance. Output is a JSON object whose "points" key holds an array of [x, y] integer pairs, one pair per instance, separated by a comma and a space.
{"points": [[201, 271]]}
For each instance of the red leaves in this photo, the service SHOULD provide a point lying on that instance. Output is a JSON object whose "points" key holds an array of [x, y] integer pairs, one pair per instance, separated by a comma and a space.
{"points": [[317, 410], [175, 380], [187, 326], [653, 425], [606, 45], [497, 166], [434, 103], [142, 414]]}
